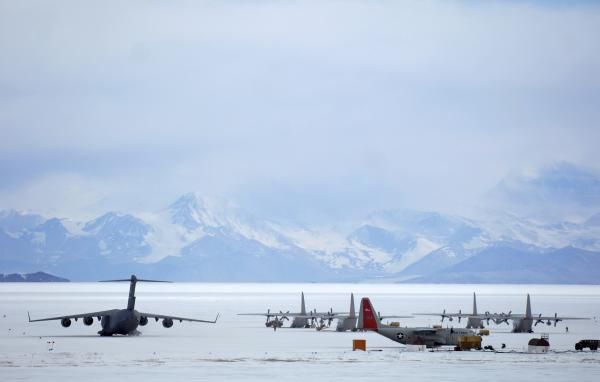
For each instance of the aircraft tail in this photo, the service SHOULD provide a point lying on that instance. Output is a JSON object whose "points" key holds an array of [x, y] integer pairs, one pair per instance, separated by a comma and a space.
{"points": [[474, 304], [132, 281], [302, 305], [367, 316], [528, 307], [351, 312]]}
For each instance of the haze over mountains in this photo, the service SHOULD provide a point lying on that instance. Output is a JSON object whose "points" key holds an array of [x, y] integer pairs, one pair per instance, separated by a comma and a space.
{"points": [[202, 239]]}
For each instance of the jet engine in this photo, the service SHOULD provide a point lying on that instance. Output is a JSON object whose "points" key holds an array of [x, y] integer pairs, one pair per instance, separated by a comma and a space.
{"points": [[87, 321], [143, 320], [167, 323], [65, 322]]}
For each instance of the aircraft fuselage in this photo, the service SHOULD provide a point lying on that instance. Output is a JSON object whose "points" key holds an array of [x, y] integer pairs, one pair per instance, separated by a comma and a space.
{"points": [[431, 337], [474, 323], [120, 321], [346, 323], [523, 325]]}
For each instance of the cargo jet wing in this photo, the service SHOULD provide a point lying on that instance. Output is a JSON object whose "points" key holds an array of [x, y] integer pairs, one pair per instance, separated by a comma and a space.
{"points": [[161, 316], [75, 316]]}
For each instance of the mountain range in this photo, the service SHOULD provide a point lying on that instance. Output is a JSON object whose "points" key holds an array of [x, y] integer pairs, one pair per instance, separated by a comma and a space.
{"points": [[37, 277], [202, 239], [538, 228]]}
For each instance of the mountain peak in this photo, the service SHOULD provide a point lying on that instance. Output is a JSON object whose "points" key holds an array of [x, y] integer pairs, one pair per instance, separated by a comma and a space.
{"points": [[115, 221], [191, 211]]}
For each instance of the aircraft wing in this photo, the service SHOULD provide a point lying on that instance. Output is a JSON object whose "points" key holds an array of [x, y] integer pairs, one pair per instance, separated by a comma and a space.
{"points": [[161, 316], [299, 315], [559, 318], [273, 314], [463, 315], [325, 316], [73, 316], [384, 317]]}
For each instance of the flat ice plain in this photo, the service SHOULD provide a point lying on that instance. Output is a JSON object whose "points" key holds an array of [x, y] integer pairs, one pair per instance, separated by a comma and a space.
{"points": [[241, 348]]}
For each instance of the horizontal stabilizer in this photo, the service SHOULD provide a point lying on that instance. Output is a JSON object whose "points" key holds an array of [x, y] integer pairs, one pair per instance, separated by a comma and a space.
{"points": [[134, 279]]}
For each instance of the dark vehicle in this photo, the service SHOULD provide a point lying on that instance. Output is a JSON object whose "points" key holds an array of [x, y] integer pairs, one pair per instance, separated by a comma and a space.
{"points": [[590, 344]]}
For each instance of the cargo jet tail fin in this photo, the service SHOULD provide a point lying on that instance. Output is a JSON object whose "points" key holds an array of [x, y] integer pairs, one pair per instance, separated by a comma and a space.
{"points": [[367, 316], [132, 281]]}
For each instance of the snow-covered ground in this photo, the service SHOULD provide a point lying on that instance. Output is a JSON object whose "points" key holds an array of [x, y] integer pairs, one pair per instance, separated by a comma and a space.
{"points": [[241, 348]]}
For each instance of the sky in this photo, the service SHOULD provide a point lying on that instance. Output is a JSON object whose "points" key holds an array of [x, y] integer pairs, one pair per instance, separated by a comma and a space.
{"points": [[320, 108]]}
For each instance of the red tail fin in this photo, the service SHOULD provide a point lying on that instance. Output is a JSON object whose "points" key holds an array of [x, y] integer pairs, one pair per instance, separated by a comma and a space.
{"points": [[367, 319]]}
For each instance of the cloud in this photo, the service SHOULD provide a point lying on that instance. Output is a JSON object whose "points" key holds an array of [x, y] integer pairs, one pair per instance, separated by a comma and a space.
{"points": [[425, 104]]}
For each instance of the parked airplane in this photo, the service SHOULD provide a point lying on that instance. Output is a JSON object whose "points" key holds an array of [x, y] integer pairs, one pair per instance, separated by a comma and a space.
{"points": [[430, 337], [474, 320], [300, 319], [348, 322], [121, 321], [523, 323]]}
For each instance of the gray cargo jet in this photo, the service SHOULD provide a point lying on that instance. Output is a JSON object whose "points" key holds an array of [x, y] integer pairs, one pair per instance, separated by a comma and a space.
{"points": [[430, 337], [121, 321]]}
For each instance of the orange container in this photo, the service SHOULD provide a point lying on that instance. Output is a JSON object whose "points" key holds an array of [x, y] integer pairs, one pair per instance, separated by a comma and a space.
{"points": [[359, 345]]}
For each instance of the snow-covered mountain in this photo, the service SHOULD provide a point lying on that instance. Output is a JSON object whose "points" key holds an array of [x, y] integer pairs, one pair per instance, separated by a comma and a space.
{"points": [[197, 238]]}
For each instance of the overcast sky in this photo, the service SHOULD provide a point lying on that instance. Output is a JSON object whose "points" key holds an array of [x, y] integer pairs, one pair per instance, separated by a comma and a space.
{"points": [[290, 107]]}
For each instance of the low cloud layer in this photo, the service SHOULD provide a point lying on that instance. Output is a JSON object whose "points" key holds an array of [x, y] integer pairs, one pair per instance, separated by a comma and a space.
{"points": [[301, 107]]}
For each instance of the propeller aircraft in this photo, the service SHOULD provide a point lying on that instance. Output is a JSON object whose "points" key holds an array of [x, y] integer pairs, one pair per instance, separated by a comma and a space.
{"points": [[430, 337]]}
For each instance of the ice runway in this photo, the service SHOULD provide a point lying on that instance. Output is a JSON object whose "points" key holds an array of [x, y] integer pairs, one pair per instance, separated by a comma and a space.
{"points": [[241, 348]]}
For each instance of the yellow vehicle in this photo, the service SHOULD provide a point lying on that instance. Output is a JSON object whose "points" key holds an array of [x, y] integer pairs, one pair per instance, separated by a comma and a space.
{"points": [[468, 343]]}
